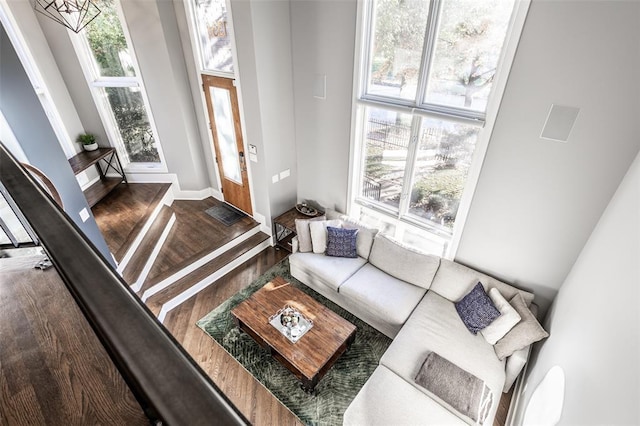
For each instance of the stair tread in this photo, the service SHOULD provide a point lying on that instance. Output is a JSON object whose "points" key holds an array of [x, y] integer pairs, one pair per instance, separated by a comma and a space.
{"points": [[122, 251], [140, 257], [156, 301], [150, 282]]}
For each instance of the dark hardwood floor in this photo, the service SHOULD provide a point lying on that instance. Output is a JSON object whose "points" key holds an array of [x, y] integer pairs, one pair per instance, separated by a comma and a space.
{"points": [[251, 398], [122, 213], [194, 235], [53, 369]]}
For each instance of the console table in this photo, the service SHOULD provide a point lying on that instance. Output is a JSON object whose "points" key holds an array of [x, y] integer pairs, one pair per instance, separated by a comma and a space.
{"points": [[104, 159]]}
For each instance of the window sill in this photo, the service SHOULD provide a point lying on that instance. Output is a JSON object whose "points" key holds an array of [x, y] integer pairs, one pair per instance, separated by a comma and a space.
{"points": [[405, 229]]}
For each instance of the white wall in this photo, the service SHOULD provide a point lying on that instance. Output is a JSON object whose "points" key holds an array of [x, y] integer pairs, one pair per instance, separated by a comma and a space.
{"points": [[25, 116], [156, 40], [594, 323], [323, 37], [243, 27], [263, 39], [38, 43], [537, 201]]}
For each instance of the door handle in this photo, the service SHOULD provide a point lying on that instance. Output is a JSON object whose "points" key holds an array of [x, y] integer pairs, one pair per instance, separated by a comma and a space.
{"points": [[243, 163]]}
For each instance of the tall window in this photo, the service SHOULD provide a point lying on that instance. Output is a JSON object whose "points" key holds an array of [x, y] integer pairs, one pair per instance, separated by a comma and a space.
{"points": [[426, 76], [213, 36], [110, 66]]}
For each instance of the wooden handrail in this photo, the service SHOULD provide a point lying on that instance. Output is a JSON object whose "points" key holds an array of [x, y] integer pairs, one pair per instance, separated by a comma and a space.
{"points": [[168, 384]]}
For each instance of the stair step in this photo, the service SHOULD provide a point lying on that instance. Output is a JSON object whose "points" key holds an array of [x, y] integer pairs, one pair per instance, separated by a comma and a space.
{"points": [[151, 242], [157, 300], [122, 251], [197, 260]]}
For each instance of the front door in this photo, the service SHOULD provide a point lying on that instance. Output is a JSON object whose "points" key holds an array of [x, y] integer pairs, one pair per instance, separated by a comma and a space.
{"points": [[224, 116]]}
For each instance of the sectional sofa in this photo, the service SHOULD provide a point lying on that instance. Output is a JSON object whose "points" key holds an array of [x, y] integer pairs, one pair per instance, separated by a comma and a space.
{"points": [[409, 296]]}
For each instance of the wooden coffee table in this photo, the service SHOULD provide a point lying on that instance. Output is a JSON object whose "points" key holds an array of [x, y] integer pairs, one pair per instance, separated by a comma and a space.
{"points": [[314, 354]]}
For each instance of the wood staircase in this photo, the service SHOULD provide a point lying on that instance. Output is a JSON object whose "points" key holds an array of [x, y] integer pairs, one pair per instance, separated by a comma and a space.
{"points": [[169, 289]]}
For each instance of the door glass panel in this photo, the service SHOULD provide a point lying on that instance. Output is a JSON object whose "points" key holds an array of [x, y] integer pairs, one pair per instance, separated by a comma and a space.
{"points": [[133, 124], [387, 143], [445, 151], [213, 35], [396, 49], [108, 44], [468, 48], [225, 132]]}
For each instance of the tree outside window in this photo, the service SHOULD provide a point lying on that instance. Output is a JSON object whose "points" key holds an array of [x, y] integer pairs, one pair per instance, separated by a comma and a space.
{"points": [[437, 58], [120, 85]]}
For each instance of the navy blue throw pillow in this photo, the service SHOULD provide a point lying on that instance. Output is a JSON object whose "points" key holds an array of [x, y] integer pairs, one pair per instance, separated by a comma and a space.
{"points": [[476, 309], [341, 242]]}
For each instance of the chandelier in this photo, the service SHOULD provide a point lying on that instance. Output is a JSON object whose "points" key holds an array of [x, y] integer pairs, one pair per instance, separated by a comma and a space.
{"points": [[73, 14]]}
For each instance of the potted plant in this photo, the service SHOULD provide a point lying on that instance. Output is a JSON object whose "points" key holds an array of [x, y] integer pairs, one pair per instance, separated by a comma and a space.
{"points": [[88, 141]]}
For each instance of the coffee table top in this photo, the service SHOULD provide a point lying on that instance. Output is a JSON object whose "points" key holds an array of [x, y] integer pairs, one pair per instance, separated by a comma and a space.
{"points": [[317, 347]]}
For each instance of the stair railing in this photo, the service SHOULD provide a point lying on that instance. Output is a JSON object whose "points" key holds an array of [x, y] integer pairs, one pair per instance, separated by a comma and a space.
{"points": [[170, 387]]}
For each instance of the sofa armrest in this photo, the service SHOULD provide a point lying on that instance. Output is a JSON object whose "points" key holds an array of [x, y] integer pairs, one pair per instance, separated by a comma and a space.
{"points": [[294, 244], [514, 365]]}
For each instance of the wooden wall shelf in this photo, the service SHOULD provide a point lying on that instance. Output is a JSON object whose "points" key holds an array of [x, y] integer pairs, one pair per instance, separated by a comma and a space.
{"points": [[104, 159]]}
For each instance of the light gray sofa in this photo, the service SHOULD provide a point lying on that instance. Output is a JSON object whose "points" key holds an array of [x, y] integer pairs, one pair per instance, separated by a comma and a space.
{"points": [[409, 296]]}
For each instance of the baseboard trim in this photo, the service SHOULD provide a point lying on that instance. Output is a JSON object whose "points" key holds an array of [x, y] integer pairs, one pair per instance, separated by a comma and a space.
{"points": [[149, 177], [154, 255], [198, 264], [264, 226], [192, 291]]}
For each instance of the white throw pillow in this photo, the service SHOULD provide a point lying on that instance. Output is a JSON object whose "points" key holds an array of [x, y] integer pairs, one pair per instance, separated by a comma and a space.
{"points": [[319, 233], [304, 234], [504, 323]]}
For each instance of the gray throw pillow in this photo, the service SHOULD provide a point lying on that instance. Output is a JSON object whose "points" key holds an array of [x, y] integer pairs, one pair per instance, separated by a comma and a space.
{"points": [[341, 242], [526, 332], [476, 309], [304, 234]]}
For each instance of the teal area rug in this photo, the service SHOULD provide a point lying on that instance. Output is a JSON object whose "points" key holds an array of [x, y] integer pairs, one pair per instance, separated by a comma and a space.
{"points": [[337, 388]]}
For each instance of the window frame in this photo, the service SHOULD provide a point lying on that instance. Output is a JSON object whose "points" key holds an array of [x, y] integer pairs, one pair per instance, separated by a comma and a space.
{"points": [[97, 85], [194, 33], [418, 108]]}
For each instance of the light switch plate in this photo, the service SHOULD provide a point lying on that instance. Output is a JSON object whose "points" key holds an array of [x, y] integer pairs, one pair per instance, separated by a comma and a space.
{"points": [[84, 214], [274, 178]]}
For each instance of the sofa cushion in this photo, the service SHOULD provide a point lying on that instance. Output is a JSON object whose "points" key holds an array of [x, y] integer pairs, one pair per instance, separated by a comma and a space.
{"points": [[526, 332], [366, 235], [331, 271], [454, 280], [341, 242], [387, 399], [391, 298], [434, 326], [404, 263], [319, 234], [304, 234], [506, 321], [476, 309]]}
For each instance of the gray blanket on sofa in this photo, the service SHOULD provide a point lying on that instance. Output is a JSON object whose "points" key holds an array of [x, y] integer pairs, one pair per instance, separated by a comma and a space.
{"points": [[460, 389]]}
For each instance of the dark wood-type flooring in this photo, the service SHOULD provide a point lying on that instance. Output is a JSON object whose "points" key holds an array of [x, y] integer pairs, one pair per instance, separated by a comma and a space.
{"points": [[194, 235], [53, 369], [122, 214], [251, 397]]}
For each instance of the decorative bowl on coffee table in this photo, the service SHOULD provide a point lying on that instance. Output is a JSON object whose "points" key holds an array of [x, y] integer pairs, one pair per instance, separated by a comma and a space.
{"points": [[291, 323]]}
